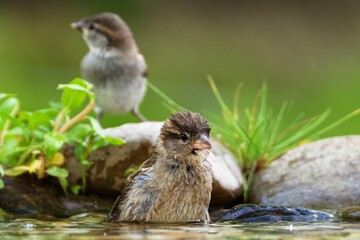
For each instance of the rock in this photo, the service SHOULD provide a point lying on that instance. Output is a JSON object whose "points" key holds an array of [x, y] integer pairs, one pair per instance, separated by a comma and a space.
{"points": [[106, 174], [323, 174], [256, 213], [349, 213], [26, 195], [228, 181]]}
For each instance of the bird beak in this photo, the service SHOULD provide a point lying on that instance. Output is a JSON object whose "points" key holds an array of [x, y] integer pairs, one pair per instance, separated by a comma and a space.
{"points": [[201, 143], [77, 25]]}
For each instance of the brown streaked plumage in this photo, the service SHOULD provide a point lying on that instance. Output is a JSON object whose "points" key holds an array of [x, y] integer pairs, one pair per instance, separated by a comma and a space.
{"points": [[113, 64], [175, 183]]}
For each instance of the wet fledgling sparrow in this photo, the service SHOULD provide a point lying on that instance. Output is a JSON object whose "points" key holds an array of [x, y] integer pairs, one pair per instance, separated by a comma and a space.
{"points": [[175, 183], [113, 64]]}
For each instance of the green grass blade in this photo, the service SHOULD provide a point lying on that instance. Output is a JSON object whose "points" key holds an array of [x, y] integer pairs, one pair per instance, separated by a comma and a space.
{"points": [[335, 124], [259, 136], [217, 94], [173, 105]]}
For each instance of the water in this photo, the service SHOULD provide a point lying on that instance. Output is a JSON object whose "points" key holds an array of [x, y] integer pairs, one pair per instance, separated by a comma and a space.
{"points": [[91, 226]]}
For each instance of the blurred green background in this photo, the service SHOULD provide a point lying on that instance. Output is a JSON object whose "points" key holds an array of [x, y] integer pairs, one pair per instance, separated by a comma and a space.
{"points": [[307, 51]]}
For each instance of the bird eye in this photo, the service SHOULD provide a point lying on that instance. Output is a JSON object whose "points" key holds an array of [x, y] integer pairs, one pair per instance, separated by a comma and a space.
{"points": [[183, 137], [92, 26], [208, 131]]}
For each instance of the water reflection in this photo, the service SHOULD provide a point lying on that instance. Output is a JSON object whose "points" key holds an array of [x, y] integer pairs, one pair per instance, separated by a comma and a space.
{"points": [[92, 226]]}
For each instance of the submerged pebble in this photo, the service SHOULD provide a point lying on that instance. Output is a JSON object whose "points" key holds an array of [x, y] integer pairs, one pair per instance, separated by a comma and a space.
{"points": [[258, 213]]}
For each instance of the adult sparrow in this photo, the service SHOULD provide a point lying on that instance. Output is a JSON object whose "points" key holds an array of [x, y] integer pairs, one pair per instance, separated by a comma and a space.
{"points": [[175, 183], [113, 64]]}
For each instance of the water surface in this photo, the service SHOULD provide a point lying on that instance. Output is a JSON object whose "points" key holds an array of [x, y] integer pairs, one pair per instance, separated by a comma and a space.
{"points": [[91, 226]]}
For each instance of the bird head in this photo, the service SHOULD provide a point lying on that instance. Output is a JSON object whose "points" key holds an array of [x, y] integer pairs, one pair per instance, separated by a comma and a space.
{"points": [[105, 31], [185, 136]]}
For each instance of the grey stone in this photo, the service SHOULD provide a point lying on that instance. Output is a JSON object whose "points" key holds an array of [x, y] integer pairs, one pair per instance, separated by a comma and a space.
{"points": [[321, 174], [228, 181], [106, 174]]}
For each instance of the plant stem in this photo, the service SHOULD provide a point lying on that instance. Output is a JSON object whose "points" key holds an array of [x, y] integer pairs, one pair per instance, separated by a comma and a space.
{"points": [[78, 117], [41, 170], [7, 124], [83, 179], [248, 182], [84, 167], [59, 118], [246, 187], [27, 153]]}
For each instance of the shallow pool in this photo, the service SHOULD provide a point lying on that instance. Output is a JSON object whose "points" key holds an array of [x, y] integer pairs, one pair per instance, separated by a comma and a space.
{"points": [[91, 226]]}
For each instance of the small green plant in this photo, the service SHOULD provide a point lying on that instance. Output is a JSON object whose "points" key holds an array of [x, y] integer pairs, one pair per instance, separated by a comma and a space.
{"points": [[258, 136], [31, 142]]}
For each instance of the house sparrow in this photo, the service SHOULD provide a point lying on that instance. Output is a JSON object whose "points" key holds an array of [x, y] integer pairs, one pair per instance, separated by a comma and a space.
{"points": [[175, 183], [113, 64]]}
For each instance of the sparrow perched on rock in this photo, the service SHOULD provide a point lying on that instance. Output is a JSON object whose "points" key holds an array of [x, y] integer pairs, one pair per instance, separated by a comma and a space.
{"points": [[175, 183], [113, 64]]}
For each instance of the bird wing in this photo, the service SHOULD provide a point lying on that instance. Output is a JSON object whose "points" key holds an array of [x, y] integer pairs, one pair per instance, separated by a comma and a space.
{"points": [[144, 166], [140, 175]]}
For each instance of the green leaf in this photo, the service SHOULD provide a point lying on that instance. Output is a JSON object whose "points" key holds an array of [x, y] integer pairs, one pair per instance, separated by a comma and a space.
{"points": [[40, 118], [76, 189], [64, 184], [131, 170], [6, 95], [1, 183], [78, 133], [75, 93], [56, 105], [9, 161], [1, 171], [114, 141], [85, 162], [9, 104], [53, 141], [99, 131], [57, 160], [7, 116], [61, 174], [101, 142], [80, 152], [96, 126], [57, 172], [15, 132], [77, 87], [9, 146], [13, 172]]}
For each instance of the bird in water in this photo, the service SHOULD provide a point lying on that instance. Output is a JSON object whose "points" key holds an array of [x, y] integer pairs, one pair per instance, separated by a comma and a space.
{"points": [[175, 183], [113, 64]]}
